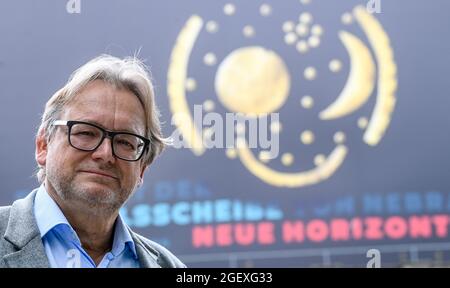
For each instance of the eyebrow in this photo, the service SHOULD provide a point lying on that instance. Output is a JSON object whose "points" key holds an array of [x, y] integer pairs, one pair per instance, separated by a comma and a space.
{"points": [[100, 125]]}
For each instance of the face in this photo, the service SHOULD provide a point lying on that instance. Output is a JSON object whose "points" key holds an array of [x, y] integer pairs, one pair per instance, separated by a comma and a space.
{"points": [[93, 180]]}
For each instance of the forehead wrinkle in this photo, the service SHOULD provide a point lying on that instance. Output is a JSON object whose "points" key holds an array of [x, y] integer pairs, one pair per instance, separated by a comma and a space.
{"points": [[87, 109]]}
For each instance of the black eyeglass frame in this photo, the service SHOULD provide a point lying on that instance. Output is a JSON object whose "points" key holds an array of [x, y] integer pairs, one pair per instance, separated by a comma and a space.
{"points": [[106, 134]]}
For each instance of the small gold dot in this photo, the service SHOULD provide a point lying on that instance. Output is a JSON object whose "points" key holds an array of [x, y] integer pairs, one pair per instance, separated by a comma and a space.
{"points": [[288, 26], [290, 38], [307, 137], [191, 84], [305, 18], [265, 10], [212, 27], [264, 156], [248, 31], [339, 137], [335, 65], [302, 46], [287, 159], [231, 153], [310, 73], [305, 2], [317, 30], [319, 159], [347, 18], [302, 29], [314, 41], [363, 122], [307, 102], [208, 105], [210, 59], [229, 9], [275, 127]]}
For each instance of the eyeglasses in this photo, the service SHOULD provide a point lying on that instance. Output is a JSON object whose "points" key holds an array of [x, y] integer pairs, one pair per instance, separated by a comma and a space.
{"points": [[88, 137]]}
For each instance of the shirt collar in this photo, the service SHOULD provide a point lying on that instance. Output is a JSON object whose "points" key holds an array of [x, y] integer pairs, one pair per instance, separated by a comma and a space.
{"points": [[122, 238], [47, 212], [49, 216]]}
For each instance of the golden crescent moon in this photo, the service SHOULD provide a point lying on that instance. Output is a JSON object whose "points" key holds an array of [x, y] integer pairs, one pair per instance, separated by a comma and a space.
{"points": [[291, 180], [176, 79], [360, 82], [387, 75]]}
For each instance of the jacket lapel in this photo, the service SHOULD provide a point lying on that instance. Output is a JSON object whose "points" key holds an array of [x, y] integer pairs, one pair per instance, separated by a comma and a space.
{"points": [[22, 232], [32, 255], [148, 258]]}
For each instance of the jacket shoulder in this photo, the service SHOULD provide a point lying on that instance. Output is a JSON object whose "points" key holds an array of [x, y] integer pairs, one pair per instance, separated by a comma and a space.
{"points": [[165, 258], [5, 247], [4, 218]]}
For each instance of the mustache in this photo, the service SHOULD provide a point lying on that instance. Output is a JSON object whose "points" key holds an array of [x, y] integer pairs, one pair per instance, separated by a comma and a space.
{"points": [[105, 169]]}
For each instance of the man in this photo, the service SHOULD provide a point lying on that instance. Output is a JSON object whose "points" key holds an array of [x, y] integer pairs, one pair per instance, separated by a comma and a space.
{"points": [[98, 135]]}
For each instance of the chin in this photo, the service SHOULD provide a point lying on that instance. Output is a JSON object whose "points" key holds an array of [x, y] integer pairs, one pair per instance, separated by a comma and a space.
{"points": [[98, 192]]}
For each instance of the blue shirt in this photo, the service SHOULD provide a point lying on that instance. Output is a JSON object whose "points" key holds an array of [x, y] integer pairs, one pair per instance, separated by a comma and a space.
{"points": [[63, 247]]}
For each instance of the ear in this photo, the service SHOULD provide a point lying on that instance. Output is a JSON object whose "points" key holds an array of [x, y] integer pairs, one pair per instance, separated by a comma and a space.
{"points": [[142, 172], [41, 149]]}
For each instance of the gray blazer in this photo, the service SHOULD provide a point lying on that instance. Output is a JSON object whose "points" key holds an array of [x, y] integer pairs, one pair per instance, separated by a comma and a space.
{"points": [[21, 244]]}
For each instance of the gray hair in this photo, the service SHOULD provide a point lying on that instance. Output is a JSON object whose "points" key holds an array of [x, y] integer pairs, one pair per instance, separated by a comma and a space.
{"points": [[129, 73]]}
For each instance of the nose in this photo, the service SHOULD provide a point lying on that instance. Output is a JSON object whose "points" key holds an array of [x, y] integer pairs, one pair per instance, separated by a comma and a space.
{"points": [[104, 151]]}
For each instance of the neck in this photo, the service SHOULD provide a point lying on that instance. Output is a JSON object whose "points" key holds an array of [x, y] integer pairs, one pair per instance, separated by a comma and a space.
{"points": [[94, 230]]}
